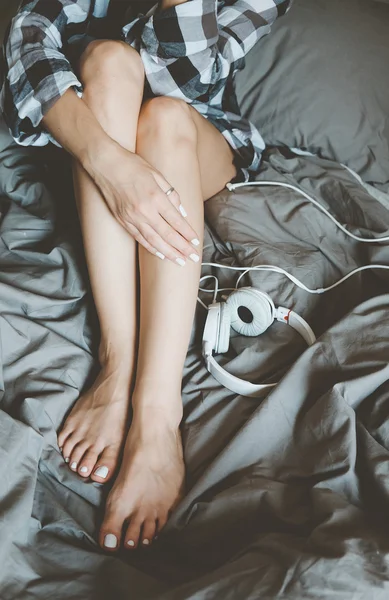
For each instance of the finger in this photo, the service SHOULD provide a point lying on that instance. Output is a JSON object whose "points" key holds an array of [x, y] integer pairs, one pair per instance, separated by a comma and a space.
{"points": [[142, 240], [171, 193], [163, 247], [178, 216], [180, 225], [174, 239]]}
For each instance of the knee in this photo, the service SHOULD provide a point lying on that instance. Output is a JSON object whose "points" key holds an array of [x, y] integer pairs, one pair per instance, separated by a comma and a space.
{"points": [[107, 57], [164, 118]]}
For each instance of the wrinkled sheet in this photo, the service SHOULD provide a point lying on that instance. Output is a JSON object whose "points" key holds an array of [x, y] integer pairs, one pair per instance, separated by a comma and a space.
{"points": [[288, 496]]}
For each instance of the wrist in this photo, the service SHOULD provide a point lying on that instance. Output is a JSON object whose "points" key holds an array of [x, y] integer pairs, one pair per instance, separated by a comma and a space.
{"points": [[98, 154]]}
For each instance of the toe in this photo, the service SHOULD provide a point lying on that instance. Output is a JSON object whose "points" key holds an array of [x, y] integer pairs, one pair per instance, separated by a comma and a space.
{"points": [[111, 529], [76, 455], [106, 465], [87, 462], [68, 447], [131, 539], [148, 532], [63, 435]]}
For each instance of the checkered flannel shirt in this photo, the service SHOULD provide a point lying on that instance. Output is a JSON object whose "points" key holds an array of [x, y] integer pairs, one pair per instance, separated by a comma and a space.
{"points": [[190, 51]]}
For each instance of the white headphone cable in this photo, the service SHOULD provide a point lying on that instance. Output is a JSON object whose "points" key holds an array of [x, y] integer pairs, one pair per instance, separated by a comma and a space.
{"points": [[272, 268], [233, 186], [291, 277]]}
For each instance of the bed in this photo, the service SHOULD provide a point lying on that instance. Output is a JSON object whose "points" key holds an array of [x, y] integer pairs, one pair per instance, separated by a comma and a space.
{"points": [[287, 495]]}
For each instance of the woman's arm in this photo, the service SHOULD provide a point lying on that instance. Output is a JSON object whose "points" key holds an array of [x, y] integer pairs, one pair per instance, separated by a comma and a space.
{"points": [[37, 73], [40, 88]]}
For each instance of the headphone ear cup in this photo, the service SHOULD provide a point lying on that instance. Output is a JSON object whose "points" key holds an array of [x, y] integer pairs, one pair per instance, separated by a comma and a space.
{"points": [[223, 336], [256, 305]]}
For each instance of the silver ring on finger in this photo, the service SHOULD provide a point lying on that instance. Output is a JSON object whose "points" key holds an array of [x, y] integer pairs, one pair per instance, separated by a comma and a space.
{"points": [[169, 191]]}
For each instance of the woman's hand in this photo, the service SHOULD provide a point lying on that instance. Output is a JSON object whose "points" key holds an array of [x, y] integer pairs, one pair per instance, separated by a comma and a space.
{"points": [[136, 195]]}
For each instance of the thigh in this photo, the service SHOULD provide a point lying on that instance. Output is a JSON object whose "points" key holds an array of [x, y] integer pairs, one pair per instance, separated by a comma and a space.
{"points": [[215, 156]]}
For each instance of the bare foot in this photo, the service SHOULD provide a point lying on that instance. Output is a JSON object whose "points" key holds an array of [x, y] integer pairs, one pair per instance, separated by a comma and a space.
{"points": [[150, 481], [94, 432]]}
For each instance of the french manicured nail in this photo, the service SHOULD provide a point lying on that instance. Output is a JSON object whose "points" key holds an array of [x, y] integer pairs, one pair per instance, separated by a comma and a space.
{"points": [[182, 211], [194, 257], [110, 541], [73, 465], [160, 255], [67, 460], [130, 543], [102, 472], [180, 262], [195, 242], [146, 542], [84, 470]]}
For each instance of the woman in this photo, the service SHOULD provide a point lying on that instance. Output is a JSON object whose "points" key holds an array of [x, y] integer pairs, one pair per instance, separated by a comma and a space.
{"points": [[152, 126]]}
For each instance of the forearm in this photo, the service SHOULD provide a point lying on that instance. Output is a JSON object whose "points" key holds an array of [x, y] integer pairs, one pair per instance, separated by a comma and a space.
{"points": [[71, 122]]}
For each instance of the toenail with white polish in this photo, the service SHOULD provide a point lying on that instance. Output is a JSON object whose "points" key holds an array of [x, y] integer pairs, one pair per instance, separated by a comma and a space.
{"points": [[67, 460], [110, 541], [73, 465], [146, 542], [84, 469], [131, 543], [102, 472]]}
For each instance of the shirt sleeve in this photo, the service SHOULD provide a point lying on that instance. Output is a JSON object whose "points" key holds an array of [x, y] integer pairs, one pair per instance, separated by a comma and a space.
{"points": [[35, 71], [191, 47]]}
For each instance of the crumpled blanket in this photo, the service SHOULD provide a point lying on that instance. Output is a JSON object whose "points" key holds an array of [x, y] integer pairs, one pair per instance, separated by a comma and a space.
{"points": [[287, 495]]}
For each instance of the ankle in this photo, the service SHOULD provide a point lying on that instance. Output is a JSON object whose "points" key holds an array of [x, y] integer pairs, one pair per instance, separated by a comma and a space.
{"points": [[157, 404], [154, 420], [117, 359]]}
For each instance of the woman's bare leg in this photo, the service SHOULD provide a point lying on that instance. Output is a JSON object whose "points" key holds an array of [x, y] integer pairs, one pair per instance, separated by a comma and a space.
{"points": [[194, 157], [93, 434]]}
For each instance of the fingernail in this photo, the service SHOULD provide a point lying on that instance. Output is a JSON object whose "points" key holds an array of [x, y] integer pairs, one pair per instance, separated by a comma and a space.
{"points": [[195, 257], [182, 211], [60, 449], [160, 255], [195, 242], [73, 465], [146, 542], [102, 472], [84, 470], [131, 543], [67, 460], [180, 262], [110, 541]]}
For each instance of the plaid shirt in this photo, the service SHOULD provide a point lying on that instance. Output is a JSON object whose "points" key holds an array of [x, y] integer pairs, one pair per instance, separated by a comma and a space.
{"points": [[190, 51]]}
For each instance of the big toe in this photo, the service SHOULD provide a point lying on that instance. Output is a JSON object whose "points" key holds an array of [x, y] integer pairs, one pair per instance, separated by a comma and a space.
{"points": [[106, 465], [112, 526]]}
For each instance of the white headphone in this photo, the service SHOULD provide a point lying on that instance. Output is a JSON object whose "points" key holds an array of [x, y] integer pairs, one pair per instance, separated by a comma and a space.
{"points": [[250, 312]]}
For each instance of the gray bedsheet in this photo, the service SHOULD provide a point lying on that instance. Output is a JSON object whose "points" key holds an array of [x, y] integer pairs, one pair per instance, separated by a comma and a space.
{"points": [[288, 497]]}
